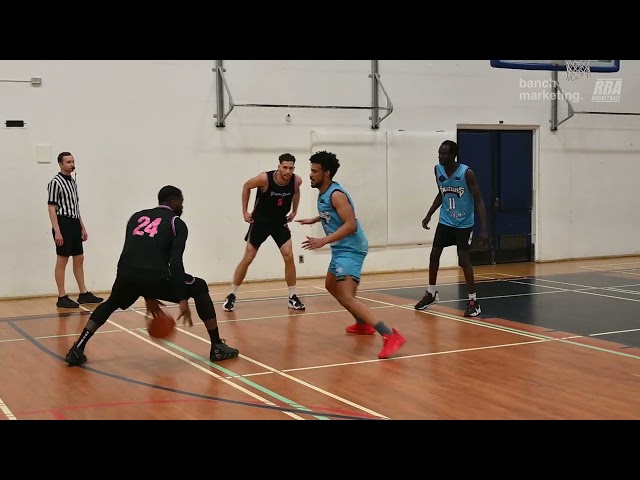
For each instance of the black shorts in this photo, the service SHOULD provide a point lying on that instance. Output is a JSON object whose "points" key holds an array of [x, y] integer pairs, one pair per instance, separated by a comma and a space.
{"points": [[127, 288], [259, 231], [447, 236], [71, 231]]}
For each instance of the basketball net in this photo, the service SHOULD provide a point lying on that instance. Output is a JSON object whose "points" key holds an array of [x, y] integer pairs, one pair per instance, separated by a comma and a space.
{"points": [[577, 69]]}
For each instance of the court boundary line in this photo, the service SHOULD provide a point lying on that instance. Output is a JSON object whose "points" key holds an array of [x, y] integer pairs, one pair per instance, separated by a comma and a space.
{"points": [[269, 317], [232, 375], [408, 306], [613, 289], [275, 370], [44, 337], [614, 332], [624, 272], [582, 290], [453, 317], [403, 357], [249, 300], [592, 267], [512, 330], [381, 290], [312, 286], [6, 411], [482, 275], [377, 290], [40, 346], [239, 300], [201, 368]]}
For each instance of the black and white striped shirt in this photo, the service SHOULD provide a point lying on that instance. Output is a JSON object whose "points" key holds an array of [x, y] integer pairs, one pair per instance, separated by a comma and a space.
{"points": [[63, 192]]}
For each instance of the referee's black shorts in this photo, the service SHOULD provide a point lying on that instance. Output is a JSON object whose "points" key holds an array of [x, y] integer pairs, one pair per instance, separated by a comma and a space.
{"points": [[71, 231]]}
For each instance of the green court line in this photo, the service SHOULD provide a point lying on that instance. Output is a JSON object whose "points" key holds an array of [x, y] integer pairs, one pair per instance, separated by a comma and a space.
{"points": [[264, 390]]}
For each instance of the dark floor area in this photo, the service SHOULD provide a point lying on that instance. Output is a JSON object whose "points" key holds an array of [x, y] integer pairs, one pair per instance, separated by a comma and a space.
{"points": [[590, 303]]}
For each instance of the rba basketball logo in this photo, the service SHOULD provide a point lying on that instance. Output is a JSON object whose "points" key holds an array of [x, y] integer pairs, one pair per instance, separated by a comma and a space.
{"points": [[607, 90]]}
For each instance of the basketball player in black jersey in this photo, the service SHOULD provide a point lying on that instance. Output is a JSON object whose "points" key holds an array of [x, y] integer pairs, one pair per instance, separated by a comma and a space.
{"points": [[276, 204], [151, 266]]}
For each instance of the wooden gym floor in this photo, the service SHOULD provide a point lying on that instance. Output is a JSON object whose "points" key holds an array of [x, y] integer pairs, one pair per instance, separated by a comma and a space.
{"points": [[554, 341]]}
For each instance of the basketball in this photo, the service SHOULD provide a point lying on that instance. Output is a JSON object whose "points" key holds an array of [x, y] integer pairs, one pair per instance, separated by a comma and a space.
{"points": [[161, 325]]}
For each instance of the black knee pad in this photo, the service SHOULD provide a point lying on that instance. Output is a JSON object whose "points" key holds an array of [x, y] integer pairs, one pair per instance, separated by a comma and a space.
{"points": [[197, 288], [199, 291], [204, 307]]}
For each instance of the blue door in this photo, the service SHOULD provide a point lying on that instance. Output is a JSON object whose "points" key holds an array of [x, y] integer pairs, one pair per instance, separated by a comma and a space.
{"points": [[503, 163]]}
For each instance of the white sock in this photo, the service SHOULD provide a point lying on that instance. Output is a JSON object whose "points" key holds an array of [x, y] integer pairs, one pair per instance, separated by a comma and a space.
{"points": [[472, 296], [431, 289], [234, 288], [292, 291]]}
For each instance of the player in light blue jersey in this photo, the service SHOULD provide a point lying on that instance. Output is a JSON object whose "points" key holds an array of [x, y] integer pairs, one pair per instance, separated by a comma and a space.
{"points": [[349, 248], [458, 197]]}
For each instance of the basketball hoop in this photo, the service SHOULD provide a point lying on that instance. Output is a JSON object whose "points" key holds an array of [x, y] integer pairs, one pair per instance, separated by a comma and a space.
{"points": [[577, 69]]}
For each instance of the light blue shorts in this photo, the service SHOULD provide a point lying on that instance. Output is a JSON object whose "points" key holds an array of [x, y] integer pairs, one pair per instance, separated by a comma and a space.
{"points": [[345, 264]]}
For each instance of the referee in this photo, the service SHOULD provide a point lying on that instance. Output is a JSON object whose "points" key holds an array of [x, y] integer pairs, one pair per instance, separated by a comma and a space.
{"points": [[68, 232]]}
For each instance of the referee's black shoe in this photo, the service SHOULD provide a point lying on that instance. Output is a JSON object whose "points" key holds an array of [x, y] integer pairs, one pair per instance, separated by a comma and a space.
{"points": [[66, 302], [88, 297]]}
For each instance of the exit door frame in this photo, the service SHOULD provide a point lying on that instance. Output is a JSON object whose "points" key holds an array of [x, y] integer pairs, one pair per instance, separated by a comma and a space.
{"points": [[535, 130]]}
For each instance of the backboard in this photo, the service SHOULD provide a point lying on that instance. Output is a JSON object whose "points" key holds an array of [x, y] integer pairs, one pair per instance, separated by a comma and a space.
{"points": [[558, 65]]}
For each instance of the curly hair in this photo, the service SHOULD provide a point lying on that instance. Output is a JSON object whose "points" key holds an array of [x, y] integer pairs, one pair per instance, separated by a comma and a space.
{"points": [[327, 161]]}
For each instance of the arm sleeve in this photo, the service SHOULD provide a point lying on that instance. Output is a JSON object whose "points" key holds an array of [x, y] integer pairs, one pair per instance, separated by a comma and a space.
{"points": [[53, 193], [176, 265]]}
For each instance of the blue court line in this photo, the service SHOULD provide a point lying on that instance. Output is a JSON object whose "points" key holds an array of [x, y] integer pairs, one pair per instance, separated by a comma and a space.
{"points": [[44, 349]]}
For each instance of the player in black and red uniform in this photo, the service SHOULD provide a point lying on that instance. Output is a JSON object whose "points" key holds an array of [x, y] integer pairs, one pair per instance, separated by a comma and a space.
{"points": [[151, 266], [276, 204]]}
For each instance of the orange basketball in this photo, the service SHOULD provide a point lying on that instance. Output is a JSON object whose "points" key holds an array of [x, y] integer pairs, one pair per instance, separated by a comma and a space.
{"points": [[161, 325]]}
